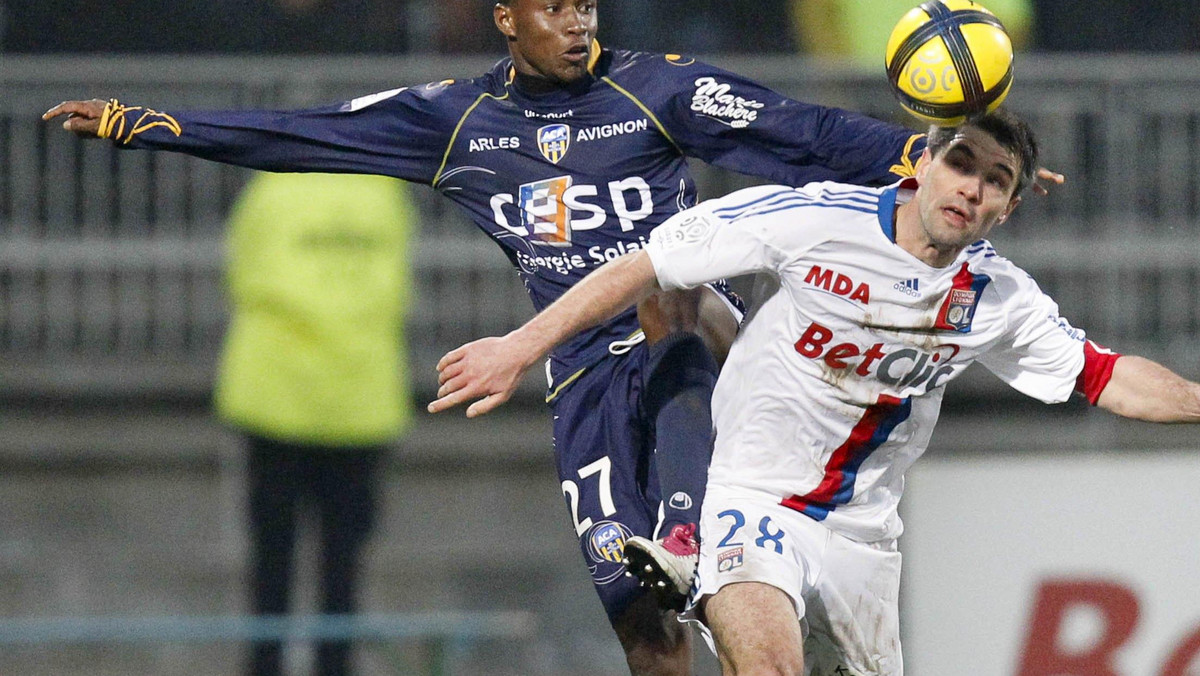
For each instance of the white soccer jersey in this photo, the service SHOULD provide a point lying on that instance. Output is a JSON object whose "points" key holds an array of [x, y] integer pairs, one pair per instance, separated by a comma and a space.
{"points": [[834, 383]]}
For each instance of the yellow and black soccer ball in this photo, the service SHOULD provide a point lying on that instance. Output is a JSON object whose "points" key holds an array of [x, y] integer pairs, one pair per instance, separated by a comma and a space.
{"points": [[949, 60]]}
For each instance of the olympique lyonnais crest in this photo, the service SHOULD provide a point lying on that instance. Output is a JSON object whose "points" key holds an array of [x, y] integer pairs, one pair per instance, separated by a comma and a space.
{"points": [[960, 306], [554, 140], [958, 310], [728, 560]]}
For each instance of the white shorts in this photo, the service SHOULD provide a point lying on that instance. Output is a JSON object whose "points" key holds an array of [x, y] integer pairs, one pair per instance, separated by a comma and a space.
{"points": [[846, 593]]}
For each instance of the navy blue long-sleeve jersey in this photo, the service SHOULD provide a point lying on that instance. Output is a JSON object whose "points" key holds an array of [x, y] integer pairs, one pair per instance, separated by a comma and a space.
{"points": [[562, 181]]}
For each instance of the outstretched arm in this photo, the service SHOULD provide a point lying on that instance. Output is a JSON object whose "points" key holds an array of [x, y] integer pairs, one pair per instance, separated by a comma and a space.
{"points": [[1145, 390], [488, 371], [401, 133], [83, 117]]}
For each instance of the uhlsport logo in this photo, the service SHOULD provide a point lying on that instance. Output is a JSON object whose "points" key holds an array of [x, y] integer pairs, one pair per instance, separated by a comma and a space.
{"points": [[680, 500], [606, 547], [554, 140]]}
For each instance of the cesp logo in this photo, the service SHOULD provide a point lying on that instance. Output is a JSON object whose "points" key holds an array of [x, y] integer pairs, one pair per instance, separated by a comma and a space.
{"points": [[549, 212], [906, 367], [838, 284]]}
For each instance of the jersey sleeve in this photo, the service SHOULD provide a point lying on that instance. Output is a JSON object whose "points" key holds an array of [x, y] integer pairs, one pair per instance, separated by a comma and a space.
{"points": [[735, 123], [401, 133], [725, 237], [1040, 353]]}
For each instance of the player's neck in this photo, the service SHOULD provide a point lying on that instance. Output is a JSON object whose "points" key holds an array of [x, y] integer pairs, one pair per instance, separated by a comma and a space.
{"points": [[532, 84], [911, 237]]}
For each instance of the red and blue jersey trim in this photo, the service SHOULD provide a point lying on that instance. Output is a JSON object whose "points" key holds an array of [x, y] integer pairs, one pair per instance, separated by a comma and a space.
{"points": [[1098, 363], [959, 307], [837, 486], [887, 207]]}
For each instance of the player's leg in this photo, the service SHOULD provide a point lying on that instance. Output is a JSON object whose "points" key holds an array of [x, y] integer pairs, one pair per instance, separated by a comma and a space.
{"points": [[706, 311], [679, 379], [684, 329], [605, 464], [754, 584], [688, 333], [344, 483], [857, 626], [843, 594], [755, 630], [654, 640], [274, 488]]}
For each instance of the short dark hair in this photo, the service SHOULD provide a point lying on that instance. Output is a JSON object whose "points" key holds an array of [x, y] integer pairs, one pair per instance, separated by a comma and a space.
{"points": [[1010, 131]]}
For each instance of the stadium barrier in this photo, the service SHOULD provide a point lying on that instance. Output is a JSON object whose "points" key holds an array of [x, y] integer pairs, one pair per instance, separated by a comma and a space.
{"points": [[443, 635]]}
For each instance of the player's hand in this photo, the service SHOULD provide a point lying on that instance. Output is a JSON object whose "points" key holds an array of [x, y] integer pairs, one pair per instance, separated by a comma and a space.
{"points": [[83, 117], [1044, 174], [485, 371]]}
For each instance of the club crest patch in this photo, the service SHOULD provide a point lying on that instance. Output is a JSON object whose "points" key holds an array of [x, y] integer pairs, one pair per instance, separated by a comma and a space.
{"points": [[958, 310], [605, 546], [728, 560], [554, 140]]}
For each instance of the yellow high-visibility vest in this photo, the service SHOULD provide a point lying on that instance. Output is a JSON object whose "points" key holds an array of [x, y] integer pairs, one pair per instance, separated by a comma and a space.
{"points": [[319, 283]]}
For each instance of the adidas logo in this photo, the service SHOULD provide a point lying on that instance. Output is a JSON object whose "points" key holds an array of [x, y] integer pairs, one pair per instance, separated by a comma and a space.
{"points": [[911, 287]]}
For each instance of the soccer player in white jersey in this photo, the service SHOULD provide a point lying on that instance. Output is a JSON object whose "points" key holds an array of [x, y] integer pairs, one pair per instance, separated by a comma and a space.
{"points": [[872, 300]]}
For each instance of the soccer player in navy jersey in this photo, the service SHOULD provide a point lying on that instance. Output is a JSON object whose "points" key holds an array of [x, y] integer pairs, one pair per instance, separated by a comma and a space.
{"points": [[568, 155]]}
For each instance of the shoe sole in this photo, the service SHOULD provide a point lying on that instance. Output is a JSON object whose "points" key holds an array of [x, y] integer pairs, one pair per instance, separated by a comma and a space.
{"points": [[645, 564]]}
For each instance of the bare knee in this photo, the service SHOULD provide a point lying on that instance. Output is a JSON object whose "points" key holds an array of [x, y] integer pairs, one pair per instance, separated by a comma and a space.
{"points": [[698, 311], [756, 631], [764, 665], [670, 311], [655, 643]]}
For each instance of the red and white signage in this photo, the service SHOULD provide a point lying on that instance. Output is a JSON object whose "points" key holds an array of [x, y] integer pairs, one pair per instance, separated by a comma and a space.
{"points": [[1072, 564]]}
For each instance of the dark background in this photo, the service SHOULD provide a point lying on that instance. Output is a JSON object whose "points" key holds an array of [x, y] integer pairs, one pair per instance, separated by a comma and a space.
{"points": [[464, 26]]}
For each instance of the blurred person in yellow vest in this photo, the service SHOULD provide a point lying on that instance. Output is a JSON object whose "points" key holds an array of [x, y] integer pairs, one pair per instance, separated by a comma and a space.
{"points": [[314, 375], [857, 31]]}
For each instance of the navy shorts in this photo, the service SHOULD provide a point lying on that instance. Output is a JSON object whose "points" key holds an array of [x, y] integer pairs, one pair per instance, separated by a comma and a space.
{"points": [[605, 455]]}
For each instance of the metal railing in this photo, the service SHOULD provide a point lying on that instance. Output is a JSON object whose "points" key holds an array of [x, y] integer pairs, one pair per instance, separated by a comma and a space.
{"points": [[110, 263], [442, 636]]}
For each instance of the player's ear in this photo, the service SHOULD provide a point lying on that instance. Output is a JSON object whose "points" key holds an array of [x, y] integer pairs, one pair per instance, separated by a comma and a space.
{"points": [[1012, 205], [923, 163], [503, 16]]}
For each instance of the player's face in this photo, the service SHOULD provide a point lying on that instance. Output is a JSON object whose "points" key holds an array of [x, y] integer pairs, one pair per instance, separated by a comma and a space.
{"points": [[965, 191], [551, 39]]}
